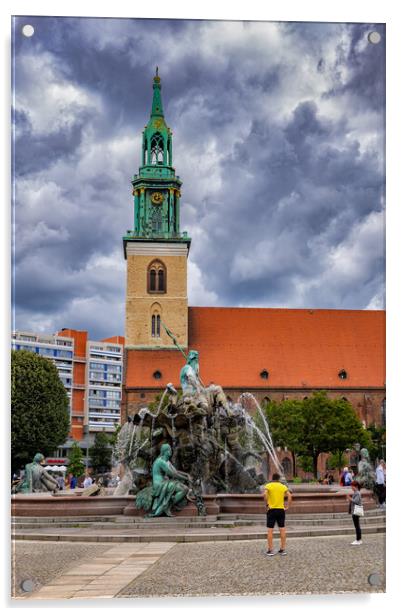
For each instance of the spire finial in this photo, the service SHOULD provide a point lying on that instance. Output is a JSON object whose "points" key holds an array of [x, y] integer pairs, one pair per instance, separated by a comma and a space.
{"points": [[157, 79]]}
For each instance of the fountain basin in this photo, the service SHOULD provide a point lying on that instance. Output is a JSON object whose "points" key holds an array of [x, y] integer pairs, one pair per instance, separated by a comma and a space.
{"points": [[306, 499]]}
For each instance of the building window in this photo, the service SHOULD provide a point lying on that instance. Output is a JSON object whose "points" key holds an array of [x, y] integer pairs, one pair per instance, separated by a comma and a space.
{"points": [[287, 467], [157, 277], [157, 375], [265, 401], [156, 326], [383, 413], [264, 374], [157, 149], [343, 374]]}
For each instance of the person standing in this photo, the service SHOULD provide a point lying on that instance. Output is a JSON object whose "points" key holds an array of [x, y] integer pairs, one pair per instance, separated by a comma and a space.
{"points": [[275, 493], [355, 499], [347, 478], [380, 483], [87, 480]]}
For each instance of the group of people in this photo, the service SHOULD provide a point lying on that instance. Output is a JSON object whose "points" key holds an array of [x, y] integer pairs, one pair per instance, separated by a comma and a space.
{"points": [[278, 499]]}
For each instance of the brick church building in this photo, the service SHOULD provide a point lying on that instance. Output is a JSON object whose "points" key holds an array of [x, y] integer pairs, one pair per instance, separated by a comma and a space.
{"points": [[274, 353]]}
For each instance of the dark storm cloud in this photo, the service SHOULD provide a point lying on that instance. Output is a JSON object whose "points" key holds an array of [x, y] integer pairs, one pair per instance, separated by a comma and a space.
{"points": [[278, 138], [44, 150]]}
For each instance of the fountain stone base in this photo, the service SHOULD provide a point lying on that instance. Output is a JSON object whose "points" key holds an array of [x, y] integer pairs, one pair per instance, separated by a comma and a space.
{"points": [[306, 499]]}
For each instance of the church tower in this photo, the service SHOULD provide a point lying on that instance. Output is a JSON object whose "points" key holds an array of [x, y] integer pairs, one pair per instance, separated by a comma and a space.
{"points": [[156, 250]]}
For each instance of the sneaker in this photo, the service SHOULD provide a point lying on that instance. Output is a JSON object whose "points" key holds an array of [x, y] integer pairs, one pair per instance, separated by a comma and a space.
{"points": [[269, 553], [356, 542], [282, 552]]}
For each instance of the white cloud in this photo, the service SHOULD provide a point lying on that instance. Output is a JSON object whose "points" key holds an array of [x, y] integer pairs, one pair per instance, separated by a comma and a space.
{"points": [[198, 294]]}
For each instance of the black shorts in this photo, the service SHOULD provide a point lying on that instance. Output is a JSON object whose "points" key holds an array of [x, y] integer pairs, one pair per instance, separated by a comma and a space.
{"points": [[276, 515]]}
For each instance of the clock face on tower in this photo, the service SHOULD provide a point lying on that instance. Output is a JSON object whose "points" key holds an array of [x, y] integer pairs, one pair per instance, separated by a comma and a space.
{"points": [[157, 198]]}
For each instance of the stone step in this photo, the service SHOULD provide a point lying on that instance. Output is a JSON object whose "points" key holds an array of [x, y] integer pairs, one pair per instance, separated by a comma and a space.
{"points": [[172, 523], [180, 536], [187, 519]]}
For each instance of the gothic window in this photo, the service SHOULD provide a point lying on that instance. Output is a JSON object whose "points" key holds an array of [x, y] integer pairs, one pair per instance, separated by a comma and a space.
{"points": [[157, 149], [265, 401], [287, 466], [156, 326], [152, 280], [157, 277], [161, 279]]}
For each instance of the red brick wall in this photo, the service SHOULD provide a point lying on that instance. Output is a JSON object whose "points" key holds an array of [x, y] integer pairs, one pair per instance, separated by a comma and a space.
{"points": [[367, 403]]}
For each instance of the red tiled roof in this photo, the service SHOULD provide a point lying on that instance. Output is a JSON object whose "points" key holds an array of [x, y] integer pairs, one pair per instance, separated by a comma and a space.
{"points": [[115, 339], [298, 347]]}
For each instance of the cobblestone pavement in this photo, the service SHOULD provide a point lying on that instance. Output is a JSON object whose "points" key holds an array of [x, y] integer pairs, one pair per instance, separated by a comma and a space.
{"points": [[40, 562], [312, 566]]}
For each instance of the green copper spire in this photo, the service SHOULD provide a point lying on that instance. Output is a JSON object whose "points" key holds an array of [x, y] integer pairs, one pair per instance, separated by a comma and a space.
{"points": [[157, 108], [156, 187]]}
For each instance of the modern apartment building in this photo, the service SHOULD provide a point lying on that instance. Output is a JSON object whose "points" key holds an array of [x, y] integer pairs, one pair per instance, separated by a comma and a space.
{"points": [[91, 372]]}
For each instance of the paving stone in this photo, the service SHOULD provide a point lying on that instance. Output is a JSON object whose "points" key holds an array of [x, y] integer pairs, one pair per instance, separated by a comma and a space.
{"points": [[312, 566]]}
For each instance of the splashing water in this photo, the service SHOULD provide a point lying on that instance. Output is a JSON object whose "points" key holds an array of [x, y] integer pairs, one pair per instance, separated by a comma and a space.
{"points": [[265, 438]]}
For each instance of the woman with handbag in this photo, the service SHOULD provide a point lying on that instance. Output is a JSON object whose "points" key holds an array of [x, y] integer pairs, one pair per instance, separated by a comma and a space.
{"points": [[356, 509]]}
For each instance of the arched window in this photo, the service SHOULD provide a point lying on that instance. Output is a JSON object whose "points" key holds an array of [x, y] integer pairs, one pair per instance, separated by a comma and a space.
{"points": [[156, 326], [157, 277], [287, 466], [152, 280], [157, 149], [161, 279], [265, 401]]}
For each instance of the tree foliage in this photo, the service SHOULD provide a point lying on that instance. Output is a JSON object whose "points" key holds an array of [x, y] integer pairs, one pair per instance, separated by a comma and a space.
{"points": [[76, 465], [337, 460], [377, 447], [316, 425], [40, 417], [101, 453]]}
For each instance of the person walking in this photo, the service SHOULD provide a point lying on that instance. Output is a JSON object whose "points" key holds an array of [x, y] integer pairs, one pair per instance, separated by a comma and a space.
{"points": [[356, 503], [275, 493], [379, 488]]}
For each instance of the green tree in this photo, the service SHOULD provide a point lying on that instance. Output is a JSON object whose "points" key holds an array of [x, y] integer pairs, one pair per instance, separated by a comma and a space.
{"points": [[377, 447], [337, 460], [76, 465], [306, 463], [40, 418], [330, 426], [101, 453], [114, 437], [315, 425]]}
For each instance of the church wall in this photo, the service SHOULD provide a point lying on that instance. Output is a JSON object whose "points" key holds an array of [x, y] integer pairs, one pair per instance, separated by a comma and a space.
{"points": [[366, 402]]}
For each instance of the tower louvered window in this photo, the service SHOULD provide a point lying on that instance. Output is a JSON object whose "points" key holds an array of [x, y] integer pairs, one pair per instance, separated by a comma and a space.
{"points": [[157, 277], [157, 149]]}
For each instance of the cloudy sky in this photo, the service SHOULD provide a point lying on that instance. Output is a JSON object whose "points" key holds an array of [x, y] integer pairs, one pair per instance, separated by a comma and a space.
{"points": [[278, 138]]}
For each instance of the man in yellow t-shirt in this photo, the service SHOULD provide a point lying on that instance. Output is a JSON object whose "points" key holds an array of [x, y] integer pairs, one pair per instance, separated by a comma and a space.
{"points": [[275, 493]]}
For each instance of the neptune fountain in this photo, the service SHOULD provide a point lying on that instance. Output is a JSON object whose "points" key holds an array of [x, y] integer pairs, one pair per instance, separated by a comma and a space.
{"points": [[194, 443]]}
